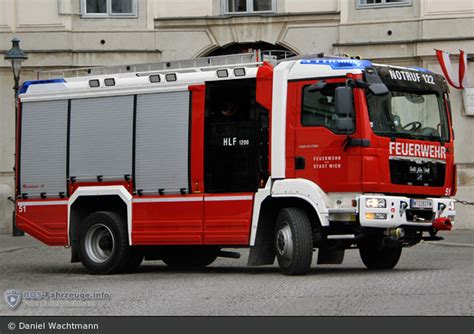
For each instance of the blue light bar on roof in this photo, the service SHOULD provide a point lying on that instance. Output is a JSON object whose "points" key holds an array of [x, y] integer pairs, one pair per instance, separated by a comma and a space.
{"points": [[420, 69], [339, 64], [26, 84]]}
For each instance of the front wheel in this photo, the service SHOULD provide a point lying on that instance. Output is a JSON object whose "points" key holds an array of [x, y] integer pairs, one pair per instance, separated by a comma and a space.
{"points": [[293, 241], [103, 244], [376, 257]]}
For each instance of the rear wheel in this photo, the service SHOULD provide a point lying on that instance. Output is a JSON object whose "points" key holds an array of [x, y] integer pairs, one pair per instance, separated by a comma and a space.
{"points": [[376, 257], [293, 241], [103, 244], [187, 258]]}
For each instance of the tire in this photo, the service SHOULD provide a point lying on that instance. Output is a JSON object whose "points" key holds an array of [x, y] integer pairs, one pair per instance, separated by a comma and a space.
{"points": [[293, 241], [376, 257], [103, 244], [189, 258]]}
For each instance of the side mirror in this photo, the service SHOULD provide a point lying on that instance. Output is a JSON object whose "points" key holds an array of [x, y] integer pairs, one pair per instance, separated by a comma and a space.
{"points": [[344, 101], [316, 87], [378, 89], [345, 109]]}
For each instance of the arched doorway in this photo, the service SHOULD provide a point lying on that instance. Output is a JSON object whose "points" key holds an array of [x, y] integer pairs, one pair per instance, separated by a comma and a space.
{"points": [[266, 48]]}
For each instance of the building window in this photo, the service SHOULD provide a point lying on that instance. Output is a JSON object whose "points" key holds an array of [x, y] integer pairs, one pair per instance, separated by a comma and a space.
{"points": [[361, 4], [106, 8], [248, 6]]}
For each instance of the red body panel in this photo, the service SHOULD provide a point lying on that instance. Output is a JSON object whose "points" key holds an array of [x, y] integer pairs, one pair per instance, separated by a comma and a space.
{"points": [[197, 138], [47, 222], [264, 97], [376, 171], [227, 219], [192, 220], [265, 86], [171, 221], [327, 163]]}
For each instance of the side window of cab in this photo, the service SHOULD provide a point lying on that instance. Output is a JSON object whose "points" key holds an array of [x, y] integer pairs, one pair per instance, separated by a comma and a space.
{"points": [[319, 108]]}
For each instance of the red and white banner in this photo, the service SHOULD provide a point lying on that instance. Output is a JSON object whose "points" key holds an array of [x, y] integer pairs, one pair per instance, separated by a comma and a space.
{"points": [[445, 62]]}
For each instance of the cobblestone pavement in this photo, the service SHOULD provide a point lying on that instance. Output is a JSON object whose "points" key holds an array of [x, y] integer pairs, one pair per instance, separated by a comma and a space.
{"points": [[430, 279]]}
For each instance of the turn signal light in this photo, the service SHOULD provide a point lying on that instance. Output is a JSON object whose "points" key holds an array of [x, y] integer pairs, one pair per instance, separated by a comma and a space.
{"points": [[375, 215]]}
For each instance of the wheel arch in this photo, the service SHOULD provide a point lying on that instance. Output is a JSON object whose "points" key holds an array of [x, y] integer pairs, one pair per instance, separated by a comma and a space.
{"points": [[283, 193], [87, 200]]}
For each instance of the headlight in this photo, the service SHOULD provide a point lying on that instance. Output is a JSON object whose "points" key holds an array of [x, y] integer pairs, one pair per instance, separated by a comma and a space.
{"points": [[375, 203]]}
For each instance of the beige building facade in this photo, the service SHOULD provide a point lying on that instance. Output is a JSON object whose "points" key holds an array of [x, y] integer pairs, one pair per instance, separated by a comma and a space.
{"points": [[61, 34]]}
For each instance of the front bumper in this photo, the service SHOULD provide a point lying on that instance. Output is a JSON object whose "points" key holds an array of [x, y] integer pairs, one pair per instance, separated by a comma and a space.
{"points": [[399, 211]]}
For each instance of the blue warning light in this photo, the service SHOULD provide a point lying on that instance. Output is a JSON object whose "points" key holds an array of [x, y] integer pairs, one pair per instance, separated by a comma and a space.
{"points": [[339, 64]]}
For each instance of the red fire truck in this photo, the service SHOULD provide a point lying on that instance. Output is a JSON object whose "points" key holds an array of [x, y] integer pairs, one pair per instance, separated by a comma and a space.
{"points": [[180, 160]]}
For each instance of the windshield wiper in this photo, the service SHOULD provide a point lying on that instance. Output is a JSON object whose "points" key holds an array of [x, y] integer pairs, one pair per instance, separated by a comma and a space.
{"points": [[411, 136], [435, 138], [394, 134]]}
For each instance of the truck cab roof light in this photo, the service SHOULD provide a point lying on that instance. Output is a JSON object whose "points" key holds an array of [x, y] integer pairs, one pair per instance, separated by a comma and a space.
{"points": [[239, 72], [222, 73], [154, 78], [26, 84], [338, 64], [94, 83], [171, 77], [109, 82]]}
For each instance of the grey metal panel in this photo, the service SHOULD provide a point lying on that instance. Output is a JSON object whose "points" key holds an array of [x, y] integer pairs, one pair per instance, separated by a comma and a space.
{"points": [[43, 148], [101, 137], [162, 142]]}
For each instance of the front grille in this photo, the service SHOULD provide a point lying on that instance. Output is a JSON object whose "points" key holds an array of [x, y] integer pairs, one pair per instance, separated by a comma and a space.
{"points": [[417, 173]]}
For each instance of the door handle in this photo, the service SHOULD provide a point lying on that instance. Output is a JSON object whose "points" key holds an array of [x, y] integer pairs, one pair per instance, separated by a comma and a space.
{"points": [[300, 163]]}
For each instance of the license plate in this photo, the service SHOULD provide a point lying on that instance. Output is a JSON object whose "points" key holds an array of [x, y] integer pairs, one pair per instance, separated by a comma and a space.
{"points": [[421, 203]]}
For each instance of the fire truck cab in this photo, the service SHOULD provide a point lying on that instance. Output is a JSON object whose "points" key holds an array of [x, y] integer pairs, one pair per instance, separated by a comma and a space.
{"points": [[177, 163]]}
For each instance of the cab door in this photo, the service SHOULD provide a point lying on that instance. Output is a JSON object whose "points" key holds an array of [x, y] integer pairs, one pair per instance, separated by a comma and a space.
{"points": [[323, 154]]}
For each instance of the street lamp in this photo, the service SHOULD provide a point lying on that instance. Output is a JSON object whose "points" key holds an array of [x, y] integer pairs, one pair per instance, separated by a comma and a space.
{"points": [[16, 57]]}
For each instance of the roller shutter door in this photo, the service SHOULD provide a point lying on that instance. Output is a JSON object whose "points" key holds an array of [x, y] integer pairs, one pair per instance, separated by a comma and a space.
{"points": [[162, 142], [43, 148], [101, 138]]}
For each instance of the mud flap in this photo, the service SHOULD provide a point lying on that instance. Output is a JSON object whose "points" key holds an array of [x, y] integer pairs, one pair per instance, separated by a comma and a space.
{"points": [[261, 255], [74, 256], [263, 252], [326, 256]]}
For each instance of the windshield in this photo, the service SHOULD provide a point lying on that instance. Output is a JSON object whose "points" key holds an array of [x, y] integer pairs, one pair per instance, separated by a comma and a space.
{"points": [[409, 115]]}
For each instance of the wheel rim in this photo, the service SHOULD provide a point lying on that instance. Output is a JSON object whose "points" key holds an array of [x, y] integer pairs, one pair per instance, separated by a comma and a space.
{"points": [[99, 243], [284, 242]]}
